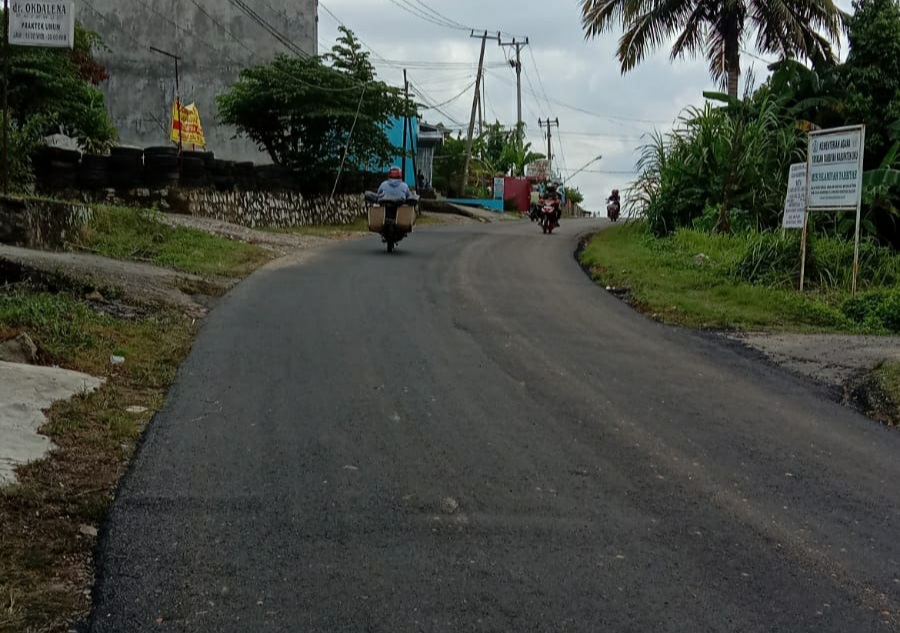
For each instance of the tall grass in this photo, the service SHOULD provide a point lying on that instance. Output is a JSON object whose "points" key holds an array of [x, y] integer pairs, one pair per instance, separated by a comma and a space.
{"points": [[718, 161]]}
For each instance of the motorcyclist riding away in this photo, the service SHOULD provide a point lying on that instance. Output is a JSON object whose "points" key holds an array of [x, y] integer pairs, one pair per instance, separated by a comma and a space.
{"points": [[553, 194], [394, 187]]}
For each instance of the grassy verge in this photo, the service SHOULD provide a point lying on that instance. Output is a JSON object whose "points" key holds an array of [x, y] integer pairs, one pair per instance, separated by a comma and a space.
{"points": [[688, 280], [135, 235], [51, 515]]}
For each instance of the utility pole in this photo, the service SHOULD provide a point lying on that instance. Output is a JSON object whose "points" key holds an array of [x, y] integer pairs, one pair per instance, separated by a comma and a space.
{"points": [[520, 125], [405, 124], [177, 94], [549, 123], [484, 38]]}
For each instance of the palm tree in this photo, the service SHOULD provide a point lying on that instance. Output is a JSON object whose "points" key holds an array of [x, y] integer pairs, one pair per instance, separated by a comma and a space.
{"points": [[803, 28]]}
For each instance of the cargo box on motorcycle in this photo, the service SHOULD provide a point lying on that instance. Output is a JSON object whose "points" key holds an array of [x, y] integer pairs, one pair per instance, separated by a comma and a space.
{"points": [[405, 220]]}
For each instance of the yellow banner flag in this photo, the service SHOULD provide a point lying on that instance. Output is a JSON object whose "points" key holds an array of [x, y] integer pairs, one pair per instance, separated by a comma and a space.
{"points": [[186, 126]]}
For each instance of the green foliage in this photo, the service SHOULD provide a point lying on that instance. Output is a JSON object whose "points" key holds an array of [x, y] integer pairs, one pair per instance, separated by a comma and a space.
{"points": [[54, 89], [574, 195], [666, 278], [871, 74], [57, 322], [717, 28], [876, 311], [449, 163], [773, 259], [732, 158], [305, 113], [133, 234]]}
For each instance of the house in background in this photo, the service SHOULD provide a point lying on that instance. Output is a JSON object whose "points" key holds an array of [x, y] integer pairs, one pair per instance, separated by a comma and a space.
{"points": [[430, 138], [425, 139]]}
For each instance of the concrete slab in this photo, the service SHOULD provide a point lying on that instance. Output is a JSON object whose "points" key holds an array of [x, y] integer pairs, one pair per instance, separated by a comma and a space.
{"points": [[25, 392]]}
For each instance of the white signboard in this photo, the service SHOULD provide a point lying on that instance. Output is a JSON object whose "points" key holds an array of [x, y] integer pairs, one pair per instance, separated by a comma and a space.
{"points": [[795, 202], [499, 186], [835, 168], [50, 23], [538, 170]]}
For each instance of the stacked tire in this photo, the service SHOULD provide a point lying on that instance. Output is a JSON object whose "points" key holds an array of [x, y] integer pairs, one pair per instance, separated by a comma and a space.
{"points": [[93, 172], [223, 174], [126, 168], [245, 176], [56, 168], [161, 167]]}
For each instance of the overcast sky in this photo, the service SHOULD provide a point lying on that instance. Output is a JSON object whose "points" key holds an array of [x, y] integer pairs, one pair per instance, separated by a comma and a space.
{"points": [[600, 111]]}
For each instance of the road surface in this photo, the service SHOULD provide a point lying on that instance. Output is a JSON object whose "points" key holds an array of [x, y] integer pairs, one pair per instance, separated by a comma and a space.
{"points": [[469, 435]]}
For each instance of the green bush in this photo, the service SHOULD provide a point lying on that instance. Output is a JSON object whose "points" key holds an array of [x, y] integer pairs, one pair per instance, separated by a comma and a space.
{"points": [[878, 310], [770, 259]]}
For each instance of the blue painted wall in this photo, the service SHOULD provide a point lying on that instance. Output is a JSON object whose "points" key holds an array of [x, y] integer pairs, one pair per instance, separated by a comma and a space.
{"points": [[394, 133]]}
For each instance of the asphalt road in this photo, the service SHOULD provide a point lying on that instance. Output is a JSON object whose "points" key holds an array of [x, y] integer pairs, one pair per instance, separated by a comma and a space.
{"points": [[468, 435]]}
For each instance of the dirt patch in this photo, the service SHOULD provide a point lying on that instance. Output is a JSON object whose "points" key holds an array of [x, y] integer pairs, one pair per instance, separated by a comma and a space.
{"points": [[846, 362], [277, 243], [833, 359]]}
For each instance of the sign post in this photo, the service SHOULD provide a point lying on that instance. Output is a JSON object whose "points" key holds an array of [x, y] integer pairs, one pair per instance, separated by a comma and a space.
{"points": [[795, 201], [49, 24], [834, 180]]}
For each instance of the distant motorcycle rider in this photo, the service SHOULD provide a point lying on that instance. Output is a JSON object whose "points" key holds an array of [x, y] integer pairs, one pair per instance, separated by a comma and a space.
{"points": [[613, 205], [394, 187], [554, 195]]}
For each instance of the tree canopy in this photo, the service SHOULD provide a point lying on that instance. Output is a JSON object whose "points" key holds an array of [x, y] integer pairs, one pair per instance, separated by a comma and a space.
{"points": [[53, 89], [306, 112], [789, 28]]}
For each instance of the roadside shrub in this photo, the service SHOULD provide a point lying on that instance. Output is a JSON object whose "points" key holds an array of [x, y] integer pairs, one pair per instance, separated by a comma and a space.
{"points": [[716, 161], [831, 262], [770, 259], [876, 310]]}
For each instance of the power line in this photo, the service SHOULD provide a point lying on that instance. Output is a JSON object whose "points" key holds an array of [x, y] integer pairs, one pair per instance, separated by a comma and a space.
{"points": [[441, 15], [454, 98], [411, 9], [564, 104], [240, 4], [356, 85]]}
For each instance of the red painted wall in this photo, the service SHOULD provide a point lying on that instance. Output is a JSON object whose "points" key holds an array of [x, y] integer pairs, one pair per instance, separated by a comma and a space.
{"points": [[518, 189]]}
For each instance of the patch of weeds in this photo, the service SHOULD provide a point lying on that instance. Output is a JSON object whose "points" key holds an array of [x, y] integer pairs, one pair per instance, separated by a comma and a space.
{"points": [[877, 394], [51, 515], [688, 279], [138, 235]]}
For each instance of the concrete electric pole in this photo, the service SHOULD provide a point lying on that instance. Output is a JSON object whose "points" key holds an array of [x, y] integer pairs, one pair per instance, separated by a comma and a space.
{"points": [[549, 123], [517, 64], [484, 38]]}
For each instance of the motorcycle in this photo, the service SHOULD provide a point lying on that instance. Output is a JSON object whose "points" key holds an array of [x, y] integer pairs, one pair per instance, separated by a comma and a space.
{"points": [[612, 210], [549, 214], [392, 218]]}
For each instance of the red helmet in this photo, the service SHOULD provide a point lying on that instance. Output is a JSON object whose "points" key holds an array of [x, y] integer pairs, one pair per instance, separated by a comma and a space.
{"points": [[395, 173]]}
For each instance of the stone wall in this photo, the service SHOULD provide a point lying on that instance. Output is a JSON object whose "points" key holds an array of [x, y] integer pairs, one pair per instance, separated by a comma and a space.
{"points": [[43, 224], [257, 209]]}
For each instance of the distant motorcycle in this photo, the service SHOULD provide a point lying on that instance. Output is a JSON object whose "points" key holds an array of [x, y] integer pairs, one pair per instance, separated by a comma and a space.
{"points": [[549, 215], [612, 210], [392, 218]]}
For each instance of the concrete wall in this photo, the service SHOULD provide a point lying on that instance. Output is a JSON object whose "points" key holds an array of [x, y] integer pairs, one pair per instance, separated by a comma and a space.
{"points": [[215, 40]]}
